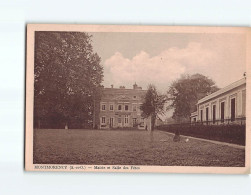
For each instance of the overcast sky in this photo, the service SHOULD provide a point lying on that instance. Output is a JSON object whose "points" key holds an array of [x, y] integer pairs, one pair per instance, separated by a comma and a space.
{"points": [[160, 58]]}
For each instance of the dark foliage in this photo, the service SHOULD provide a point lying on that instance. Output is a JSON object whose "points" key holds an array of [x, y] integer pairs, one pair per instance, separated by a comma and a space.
{"points": [[231, 133], [68, 75], [185, 92]]}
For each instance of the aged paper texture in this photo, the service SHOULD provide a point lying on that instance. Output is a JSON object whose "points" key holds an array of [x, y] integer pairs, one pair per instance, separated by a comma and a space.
{"points": [[117, 98]]}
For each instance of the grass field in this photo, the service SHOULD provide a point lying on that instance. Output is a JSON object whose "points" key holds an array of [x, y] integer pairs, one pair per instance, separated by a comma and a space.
{"points": [[54, 146]]}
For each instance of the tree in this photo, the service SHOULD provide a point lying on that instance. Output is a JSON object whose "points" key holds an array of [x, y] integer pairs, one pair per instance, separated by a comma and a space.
{"points": [[153, 104], [185, 92], [67, 74]]}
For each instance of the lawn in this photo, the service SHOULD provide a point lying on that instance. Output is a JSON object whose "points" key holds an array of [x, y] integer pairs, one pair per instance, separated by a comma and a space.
{"points": [[105, 147]]}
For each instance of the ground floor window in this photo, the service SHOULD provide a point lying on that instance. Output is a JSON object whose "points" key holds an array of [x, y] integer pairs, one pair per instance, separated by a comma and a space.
{"points": [[119, 120], [222, 111], [134, 121], [233, 109], [207, 110], [142, 122], [111, 122], [126, 119], [214, 113], [103, 119]]}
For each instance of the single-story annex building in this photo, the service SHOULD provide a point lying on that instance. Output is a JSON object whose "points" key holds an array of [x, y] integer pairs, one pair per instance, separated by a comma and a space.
{"points": [[227, 105]]}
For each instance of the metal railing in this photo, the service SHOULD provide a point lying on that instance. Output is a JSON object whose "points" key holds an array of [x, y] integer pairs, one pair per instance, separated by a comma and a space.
{"points": [[227, 121]]}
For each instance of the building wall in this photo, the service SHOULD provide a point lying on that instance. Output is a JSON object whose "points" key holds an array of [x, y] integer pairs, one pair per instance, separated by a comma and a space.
{"points": [[120, 108], [194, 117], [234, 102]]}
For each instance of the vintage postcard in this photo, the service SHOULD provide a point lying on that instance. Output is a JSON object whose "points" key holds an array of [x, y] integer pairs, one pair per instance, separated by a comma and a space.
{"points": [[116, 98]]}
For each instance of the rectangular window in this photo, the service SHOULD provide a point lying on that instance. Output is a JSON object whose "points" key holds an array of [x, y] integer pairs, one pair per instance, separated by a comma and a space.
{"points": [[126, 107], [134, 121], [111, 122], [126, 119], [222, 111], [119, 120], [111, 107], [233, 109], [119, 107], [103, 107], [201, 115], [140, 106], [214, 113], [142, 122], [134, 107], [207, 114], [103, 120]]}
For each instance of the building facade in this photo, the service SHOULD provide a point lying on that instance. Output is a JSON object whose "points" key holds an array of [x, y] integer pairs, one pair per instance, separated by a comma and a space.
{"points": [[120, 108], [227, 105]]}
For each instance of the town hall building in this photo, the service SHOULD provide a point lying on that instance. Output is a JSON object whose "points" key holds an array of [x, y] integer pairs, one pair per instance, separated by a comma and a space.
{"points": [[120, 108]]}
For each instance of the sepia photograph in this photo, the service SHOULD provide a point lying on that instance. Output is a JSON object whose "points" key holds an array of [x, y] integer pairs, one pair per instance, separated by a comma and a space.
{"points": [[107, 98]]}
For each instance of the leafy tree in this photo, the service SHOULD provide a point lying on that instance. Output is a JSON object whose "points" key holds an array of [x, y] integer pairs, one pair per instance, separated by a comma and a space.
{"points": [[153, 104], [185, 92], [67, 75]]}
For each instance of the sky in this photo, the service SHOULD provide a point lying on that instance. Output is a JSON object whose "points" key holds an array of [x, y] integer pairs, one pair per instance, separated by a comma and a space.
{"points": [[161, 58]]}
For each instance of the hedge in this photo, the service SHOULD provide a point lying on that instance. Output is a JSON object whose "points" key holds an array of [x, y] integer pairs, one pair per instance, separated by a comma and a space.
{"points": [[231, 133]]}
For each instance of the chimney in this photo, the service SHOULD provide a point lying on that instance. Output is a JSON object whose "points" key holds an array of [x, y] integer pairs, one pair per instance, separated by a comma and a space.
{"points": [[112, 86], [135, 86]]}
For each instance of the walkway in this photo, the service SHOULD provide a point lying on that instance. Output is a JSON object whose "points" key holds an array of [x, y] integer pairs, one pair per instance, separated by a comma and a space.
{"points": [[207, 140]]}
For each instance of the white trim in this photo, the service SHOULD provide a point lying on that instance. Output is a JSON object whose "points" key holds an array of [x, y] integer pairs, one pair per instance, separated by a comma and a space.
{"points": [[223, 90]]}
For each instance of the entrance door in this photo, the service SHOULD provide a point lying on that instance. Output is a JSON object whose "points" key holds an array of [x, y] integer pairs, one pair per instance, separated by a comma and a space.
{"points": [[111, 122], [233, 109]]}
